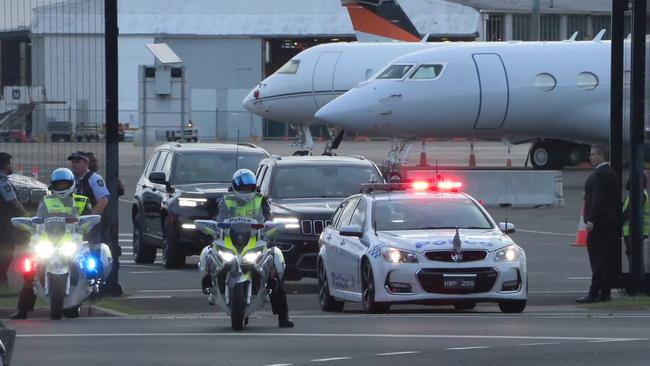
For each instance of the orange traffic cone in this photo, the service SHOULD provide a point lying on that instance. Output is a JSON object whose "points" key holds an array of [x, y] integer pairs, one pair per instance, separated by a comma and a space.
{"points": [[509, 161], [472, 157], [581, 236]]}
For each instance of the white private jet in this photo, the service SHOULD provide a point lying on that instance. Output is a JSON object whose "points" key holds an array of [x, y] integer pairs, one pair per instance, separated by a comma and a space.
{"points": [[554, 94]]}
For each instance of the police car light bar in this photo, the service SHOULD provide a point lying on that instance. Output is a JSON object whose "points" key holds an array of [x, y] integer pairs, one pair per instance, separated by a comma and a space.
{"points": [[419, 185]]}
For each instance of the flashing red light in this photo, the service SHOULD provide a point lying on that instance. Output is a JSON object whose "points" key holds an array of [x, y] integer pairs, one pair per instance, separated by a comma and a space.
{"points": [[28, 265], [447, 186], [420, 185], [256, 93]]}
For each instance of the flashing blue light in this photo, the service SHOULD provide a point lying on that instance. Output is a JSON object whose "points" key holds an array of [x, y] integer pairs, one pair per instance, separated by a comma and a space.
{"points": [[91, 264]]}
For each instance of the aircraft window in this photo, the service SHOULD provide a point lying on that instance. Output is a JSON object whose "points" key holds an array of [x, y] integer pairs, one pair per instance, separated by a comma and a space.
{"points": [[290, 67], [427, 72], [545, 82], [395, 72], [587, 80]]}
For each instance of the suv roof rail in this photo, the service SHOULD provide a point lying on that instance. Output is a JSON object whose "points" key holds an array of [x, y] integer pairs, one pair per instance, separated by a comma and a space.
{"points": [[249, 145]]}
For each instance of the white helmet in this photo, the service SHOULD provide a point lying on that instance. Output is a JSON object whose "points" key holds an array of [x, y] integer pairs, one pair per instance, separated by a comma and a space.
{"points": [[62, 182], [244, 184]]}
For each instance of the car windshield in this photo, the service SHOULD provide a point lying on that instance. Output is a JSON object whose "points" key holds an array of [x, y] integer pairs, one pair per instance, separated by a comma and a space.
{"points": [[321, 181], [420, 213], [211, 167]]}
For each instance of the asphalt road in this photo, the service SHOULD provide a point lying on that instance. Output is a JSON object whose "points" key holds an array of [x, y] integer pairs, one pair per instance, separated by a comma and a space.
{"points": [[177, 326]]}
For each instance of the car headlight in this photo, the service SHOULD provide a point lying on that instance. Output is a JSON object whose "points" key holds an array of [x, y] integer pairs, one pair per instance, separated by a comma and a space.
{"points": [[252, 257], [288, 222], [68, 248], [44, 249], [191, 202], [393, 255], [507, 254], [226, 256]]}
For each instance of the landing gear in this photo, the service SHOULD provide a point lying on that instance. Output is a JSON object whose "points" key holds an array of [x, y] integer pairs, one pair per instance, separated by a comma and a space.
{"points": [[397, 155], [334, 142], [555, 155], [304, 142]]}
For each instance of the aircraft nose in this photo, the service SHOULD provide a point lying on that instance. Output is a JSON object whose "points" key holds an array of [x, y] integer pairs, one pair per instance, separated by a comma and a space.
{"points": [[251, 98], [338, 113]]}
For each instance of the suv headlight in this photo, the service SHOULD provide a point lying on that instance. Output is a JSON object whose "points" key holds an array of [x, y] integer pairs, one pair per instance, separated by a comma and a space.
{"points": [[44, 249], [507, 254], [393, 255], [287, 222], [191, 202]]}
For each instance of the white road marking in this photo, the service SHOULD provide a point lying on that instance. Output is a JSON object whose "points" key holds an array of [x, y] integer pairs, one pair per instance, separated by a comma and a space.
{"points": [[330, 359], [398, 353], [545, 232], [553, 292], [280, 364], [125, 240], [466, 348], [148, 297], [179, 290], [614, 340], [539, 344], [132, 265], [324, 335], [578, 278], [152, 272], [125, 234]]}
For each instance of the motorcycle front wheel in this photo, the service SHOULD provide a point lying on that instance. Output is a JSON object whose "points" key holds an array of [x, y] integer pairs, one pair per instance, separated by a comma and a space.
{"points": [[57, 286], [238, 306]]}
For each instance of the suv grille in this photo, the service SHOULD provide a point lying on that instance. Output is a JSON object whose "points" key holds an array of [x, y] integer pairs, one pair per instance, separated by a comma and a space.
{"points": [[313, 227], [449, 256]]}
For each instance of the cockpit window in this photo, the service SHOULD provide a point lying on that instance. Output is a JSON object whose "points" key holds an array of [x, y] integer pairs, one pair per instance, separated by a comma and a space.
{"points": [[395, 72], [424, 72], [290, 67]]}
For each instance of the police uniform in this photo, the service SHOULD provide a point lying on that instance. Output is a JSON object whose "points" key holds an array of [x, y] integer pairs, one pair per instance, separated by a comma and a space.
{"points": [[259, 209], [9, 207], [626, 220], [51, 206]]}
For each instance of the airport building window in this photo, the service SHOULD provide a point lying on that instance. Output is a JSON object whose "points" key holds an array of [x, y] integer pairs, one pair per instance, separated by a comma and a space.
{"points": [[545, 82], [395, 72], [290, 67], [521, 27], [494, 28], [578, 23], [549, 27], [587, 80], [427, 72]]}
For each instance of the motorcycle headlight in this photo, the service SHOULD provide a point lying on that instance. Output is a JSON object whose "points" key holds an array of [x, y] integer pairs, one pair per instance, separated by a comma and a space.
{"points": [[44, 249], [393, 255], [252, 257], [288, 222], [507, 254], [68, 248], [226, 256]]}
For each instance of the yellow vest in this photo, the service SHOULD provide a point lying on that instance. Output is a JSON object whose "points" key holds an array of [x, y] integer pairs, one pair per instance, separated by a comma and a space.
{"points": [[250, 209], [54, 205], [646, 216]]}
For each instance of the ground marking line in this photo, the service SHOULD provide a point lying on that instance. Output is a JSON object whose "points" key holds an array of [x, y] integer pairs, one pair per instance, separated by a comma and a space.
{"points": [[466, 348], [133, 265], [615, 340], [545, 232], [280, 364], [147, 297], [330, 359], [178, 290], [152, 272], [321, 335], [539, 344], [397, 353], [578, 278]]}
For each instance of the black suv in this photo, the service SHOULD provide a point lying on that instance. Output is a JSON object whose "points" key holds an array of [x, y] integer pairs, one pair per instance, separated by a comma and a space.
{"points": [[182, 183], [303, 192]]}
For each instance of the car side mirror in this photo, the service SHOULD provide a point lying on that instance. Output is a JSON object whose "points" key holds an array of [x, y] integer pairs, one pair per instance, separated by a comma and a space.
{"points": [[158, 178], [507, 228], [354, 231]]}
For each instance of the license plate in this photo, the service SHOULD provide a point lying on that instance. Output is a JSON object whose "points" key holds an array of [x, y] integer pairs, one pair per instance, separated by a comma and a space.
{"points": [[459, 283]]}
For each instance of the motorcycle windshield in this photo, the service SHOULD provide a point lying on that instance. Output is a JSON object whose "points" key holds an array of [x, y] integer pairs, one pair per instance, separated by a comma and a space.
{"points": [[240, 235], [55, 230]]}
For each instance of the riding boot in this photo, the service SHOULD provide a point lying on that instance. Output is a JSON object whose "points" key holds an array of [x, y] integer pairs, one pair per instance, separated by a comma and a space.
{"points": [[280, 306]]}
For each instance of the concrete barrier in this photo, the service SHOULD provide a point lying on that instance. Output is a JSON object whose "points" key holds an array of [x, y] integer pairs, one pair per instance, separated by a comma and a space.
{"points": [[520, 188], [151, 138]]}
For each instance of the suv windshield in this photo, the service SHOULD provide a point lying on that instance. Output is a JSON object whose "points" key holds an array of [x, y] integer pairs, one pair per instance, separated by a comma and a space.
{"points": [[211, 167], [422, 213], [321, 181]]}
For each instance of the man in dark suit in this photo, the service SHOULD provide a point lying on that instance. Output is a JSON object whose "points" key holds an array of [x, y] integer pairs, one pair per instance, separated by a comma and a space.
{"points": [[602, 217]]}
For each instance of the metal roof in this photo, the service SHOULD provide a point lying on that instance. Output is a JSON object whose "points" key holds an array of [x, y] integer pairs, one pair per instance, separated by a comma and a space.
{"points": [[546, 6]]}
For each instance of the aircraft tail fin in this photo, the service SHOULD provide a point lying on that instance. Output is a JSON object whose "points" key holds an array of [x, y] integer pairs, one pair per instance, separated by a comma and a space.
{"points": [[380, 21], [573, 36], [600, 35]]}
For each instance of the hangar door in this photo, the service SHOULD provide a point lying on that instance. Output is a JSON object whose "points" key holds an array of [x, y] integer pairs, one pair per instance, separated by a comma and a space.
{"points": [[323, 78], [493, 82]]}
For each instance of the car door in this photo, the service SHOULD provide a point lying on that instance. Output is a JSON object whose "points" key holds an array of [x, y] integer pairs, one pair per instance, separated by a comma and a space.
{"points": [[339, 280], [159, 194], [353, 248], [146, 194]]}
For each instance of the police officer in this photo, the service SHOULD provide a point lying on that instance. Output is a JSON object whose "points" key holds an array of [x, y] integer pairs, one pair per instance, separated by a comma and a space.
{"points": [[245, 201], [9, 207], [92, 185], [63, 202], [626, 215]]}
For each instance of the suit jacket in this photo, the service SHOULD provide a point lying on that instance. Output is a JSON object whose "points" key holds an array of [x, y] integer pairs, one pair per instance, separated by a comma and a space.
{"points": [[601, 205]]}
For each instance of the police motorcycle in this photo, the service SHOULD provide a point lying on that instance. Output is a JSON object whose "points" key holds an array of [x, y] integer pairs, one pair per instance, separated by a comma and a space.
{"points": [[64, 267], [241, 266]]}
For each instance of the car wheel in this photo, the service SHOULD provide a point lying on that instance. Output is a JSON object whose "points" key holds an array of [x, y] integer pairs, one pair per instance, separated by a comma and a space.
{"points": [[512, 307], [142, 253], [327, 302], [465, 305], [368, 292], [173, 256]]}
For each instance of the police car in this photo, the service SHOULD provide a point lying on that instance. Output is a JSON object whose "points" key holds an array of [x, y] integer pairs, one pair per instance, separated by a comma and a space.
{"points": [[419, 243]]}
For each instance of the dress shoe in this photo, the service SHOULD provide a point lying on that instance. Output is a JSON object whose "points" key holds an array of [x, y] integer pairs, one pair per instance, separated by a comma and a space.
{"points": [[285, 323], [589, 299], [19, 315]]}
